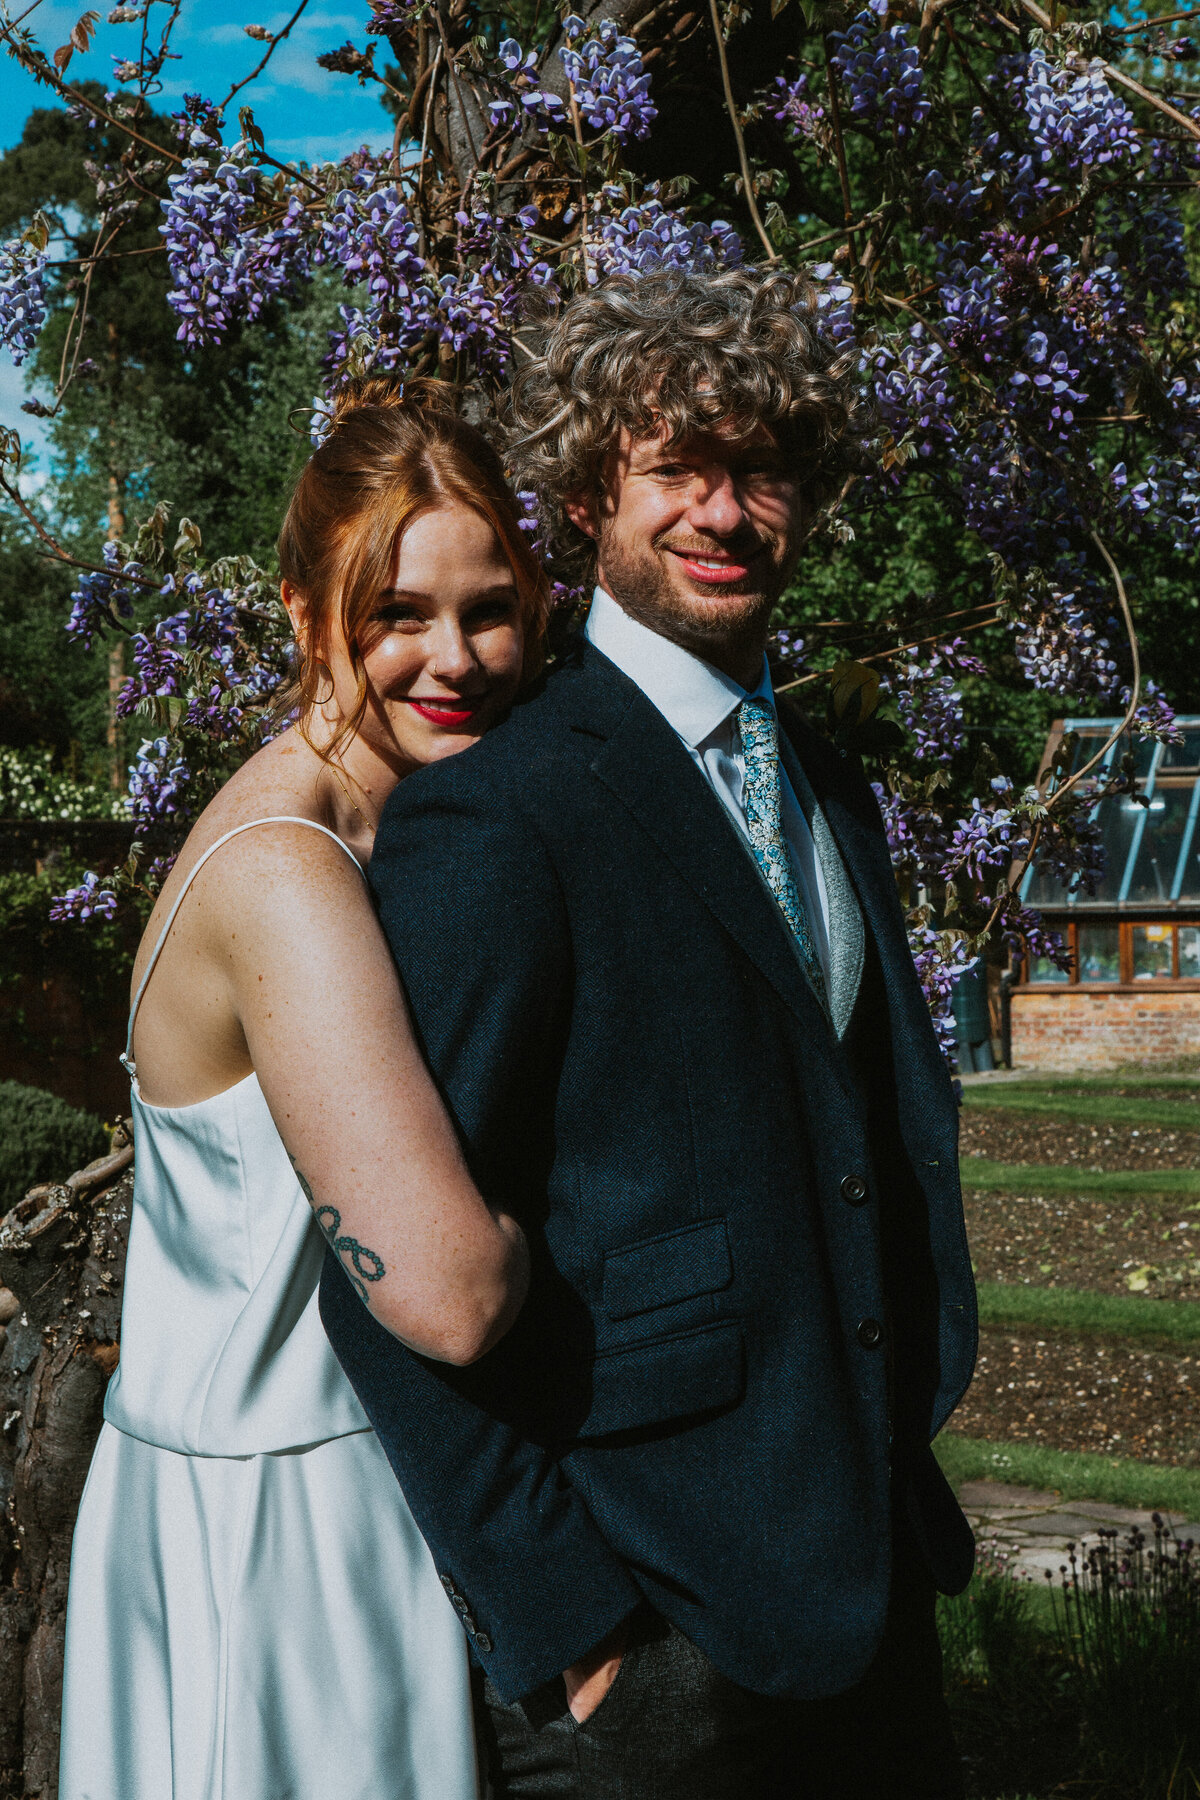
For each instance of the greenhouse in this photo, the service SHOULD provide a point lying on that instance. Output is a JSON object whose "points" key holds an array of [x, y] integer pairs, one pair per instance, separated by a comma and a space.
{"points": [[1132, 993]]}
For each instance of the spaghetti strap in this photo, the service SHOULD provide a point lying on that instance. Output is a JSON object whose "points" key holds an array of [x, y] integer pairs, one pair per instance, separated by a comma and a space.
{"points": [[181, 896]]}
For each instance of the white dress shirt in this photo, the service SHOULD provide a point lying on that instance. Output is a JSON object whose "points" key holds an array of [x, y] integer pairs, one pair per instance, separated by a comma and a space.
{"points": [[699, 702]]}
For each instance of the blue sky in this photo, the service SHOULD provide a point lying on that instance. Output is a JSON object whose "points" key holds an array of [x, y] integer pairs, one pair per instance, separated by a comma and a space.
{"points": [[303, 111]]}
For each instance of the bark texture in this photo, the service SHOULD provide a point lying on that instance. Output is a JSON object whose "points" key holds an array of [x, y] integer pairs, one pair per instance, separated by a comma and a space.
{"points": [[62, 1259]]}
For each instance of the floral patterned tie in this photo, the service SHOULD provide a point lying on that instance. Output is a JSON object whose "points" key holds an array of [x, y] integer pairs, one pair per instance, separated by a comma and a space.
{"points": [[761, 798]]}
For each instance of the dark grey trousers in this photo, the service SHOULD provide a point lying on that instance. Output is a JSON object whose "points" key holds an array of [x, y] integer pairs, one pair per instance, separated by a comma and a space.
{"points": [[672, 1727]]}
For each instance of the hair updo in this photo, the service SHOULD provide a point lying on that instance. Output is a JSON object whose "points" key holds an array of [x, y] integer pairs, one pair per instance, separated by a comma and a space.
{"points": [[391, 453]]}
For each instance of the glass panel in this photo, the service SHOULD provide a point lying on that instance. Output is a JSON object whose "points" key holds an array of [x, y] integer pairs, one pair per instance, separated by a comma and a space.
{"points": [[1099, 953], [1044, 970], [1118, 817], [1152, 952], [1189, 952], [1181, 756], [1158, 852], [1090, 738]]}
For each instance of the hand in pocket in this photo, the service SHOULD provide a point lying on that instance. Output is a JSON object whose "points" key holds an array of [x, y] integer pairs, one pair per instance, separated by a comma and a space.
{"points": [[588, 1680]]}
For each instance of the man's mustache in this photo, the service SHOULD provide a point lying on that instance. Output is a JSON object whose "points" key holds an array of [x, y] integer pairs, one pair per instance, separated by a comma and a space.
{"points": [[736, 549]]}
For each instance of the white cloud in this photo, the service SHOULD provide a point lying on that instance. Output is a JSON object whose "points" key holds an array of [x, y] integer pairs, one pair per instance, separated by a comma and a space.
{"points": [[330, 147]]}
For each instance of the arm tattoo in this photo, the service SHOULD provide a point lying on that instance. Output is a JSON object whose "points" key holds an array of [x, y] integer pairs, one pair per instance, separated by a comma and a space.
{"points": [[364, 1265]]}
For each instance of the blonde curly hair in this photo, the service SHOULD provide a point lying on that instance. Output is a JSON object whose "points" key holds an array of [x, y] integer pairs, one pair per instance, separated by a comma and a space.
{"points": [[738, 347]]}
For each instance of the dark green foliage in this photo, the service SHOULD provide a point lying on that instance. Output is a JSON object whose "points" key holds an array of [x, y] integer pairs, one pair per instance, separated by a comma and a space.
{"points": [[1129, 1631], [42, 1139], [1007, 1688], [51, 692]]}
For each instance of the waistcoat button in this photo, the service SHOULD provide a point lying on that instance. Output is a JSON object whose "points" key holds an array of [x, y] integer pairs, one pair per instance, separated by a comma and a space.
{"points": [[870, 1331], [854, 1190]]}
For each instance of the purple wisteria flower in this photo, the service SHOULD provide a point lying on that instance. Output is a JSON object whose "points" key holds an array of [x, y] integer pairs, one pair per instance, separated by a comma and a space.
{"points": [[22, 296], [87, 901], [522, 98], [221, 267], [1076, 119], [930, 703], [392, 15], [610, 85], [648, 235], [881, 73], [103, 597], [789, 103], [157, 782]]}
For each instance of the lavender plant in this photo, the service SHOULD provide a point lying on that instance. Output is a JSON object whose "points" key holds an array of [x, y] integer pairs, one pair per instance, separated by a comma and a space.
{"points": [[999, 193], [1128, 1617]]}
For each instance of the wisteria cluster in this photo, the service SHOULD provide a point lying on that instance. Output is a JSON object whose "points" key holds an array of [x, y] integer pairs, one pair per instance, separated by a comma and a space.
{"points": [[1008, 267], [930, 703], [221, 268], [22, 296], [608, 82], [90, 900], [881, 72], [103, 597], [1076, 119], [791, 105], [645, 234]]}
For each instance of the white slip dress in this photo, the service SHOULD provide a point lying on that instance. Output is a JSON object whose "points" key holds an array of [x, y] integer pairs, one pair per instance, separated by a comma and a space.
{"points": [[252, 1612]]}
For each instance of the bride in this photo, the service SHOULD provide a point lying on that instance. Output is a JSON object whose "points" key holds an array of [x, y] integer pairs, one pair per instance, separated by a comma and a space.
{"points": [[252, 1614]]}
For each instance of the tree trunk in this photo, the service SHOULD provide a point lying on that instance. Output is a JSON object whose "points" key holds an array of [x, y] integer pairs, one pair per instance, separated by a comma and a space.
{"points": [[62, 1259]]}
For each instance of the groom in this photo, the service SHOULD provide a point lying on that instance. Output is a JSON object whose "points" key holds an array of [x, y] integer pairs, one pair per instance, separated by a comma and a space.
{"points": [[687, 1509]]}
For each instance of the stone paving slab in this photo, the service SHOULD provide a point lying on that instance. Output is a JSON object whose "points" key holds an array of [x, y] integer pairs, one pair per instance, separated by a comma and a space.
{"points": [[1035, 1527]]}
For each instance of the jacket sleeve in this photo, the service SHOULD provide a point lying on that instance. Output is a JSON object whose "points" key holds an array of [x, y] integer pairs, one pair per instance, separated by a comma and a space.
{"points": [[473, 913]]}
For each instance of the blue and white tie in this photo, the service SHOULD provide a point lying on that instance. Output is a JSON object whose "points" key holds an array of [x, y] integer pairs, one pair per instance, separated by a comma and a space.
{"points": [[764, 816]]}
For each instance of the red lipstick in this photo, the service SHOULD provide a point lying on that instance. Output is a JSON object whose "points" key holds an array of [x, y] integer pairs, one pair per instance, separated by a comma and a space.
{"points": [[448, 712]]}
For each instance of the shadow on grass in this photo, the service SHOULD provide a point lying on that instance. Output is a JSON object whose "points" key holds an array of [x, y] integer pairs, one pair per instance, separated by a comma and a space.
{"points": [[1090, 1690]]}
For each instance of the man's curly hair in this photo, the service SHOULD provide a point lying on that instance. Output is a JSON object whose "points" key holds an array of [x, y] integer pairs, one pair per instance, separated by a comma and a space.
{"points": [[739, 347]]}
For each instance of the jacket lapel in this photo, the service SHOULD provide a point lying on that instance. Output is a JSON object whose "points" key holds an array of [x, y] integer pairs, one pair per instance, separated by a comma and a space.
{"points": [[644, 764], [852, 813]]}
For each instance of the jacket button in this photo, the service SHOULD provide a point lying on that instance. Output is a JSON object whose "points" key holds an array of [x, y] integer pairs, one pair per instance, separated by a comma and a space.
{"points": [[870, 1331], [854, 1190], [482, 1642]]}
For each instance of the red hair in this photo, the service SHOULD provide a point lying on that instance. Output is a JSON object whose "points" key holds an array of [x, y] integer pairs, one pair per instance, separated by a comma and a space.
{"points": [[392, 452]]}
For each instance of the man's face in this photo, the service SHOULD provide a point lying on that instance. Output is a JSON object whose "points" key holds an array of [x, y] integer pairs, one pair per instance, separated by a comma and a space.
{"points": [[698, 540]]}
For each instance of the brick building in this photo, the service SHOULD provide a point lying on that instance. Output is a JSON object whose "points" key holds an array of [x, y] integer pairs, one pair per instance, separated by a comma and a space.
{"points": [[1132, 995]]}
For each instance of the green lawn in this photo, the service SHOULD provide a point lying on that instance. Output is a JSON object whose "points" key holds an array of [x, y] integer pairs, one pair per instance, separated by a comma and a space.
{"points": [[1090, 1104], [1173, 1323], [1063, 1178], [1075, 1474]]}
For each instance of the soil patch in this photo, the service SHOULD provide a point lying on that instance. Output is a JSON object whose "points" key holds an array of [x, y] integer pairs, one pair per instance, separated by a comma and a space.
{"points": [[1080, 1394], [1017, 1137], [1113, 1246]]}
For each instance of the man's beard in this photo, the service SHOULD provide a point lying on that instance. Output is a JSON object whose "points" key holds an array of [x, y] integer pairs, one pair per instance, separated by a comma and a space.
{"points": [[732, 622]]}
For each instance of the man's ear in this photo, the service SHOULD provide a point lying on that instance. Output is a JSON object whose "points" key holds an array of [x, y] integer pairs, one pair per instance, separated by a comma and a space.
{"points": [[581, 510]]}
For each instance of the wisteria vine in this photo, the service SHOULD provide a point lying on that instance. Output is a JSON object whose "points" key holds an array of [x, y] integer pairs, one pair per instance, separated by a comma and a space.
{"points": [[999, 194]]}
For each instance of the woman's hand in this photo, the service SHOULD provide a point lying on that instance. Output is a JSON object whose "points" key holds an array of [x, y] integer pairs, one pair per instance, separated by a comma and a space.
{"points": [[330, 1039]]}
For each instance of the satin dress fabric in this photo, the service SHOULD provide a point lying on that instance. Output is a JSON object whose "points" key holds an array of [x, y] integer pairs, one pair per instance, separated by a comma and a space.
{"points": [[252, 1612]]}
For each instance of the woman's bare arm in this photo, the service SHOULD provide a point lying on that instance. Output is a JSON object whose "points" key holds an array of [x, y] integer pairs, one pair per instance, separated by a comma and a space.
{"points": [[313, 984]]}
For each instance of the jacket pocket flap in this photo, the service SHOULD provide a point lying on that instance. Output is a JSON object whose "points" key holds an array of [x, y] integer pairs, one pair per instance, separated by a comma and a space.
{"points": [[668, 1378], [662, 1270]]}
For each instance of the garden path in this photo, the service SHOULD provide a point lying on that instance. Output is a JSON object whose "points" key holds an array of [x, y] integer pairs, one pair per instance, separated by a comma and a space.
{"points": [[1034, 1528]]}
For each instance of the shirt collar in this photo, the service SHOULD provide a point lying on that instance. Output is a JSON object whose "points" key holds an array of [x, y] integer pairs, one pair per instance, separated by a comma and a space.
{"points": [[692, 696]]}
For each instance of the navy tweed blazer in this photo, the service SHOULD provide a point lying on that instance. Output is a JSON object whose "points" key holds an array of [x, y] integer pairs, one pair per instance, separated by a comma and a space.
{"points": [[694, 1406]]}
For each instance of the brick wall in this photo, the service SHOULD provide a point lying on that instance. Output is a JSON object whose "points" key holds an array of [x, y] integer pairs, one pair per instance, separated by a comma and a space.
{"points": [[1079, 1030]]}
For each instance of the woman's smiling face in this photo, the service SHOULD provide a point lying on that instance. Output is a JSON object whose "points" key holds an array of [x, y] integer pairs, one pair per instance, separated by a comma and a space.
{"points": [[442, 647]]}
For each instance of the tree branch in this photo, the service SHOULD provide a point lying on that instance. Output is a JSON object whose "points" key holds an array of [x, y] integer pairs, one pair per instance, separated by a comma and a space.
{"points": [[731, 109]]}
